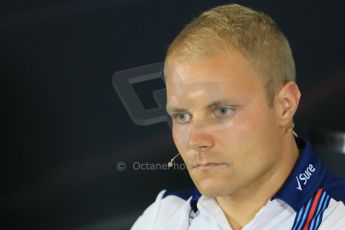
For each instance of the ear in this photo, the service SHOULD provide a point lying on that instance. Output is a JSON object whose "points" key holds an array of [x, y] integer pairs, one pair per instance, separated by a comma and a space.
{"points": [[287, 103]]}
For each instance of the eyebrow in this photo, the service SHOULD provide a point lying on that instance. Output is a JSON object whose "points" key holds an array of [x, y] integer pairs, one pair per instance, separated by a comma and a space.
{"points": [[209, 106], [174, 109]]}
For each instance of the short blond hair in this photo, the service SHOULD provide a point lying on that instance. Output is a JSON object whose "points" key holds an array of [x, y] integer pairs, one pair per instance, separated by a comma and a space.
{"points": [[253, 33]]}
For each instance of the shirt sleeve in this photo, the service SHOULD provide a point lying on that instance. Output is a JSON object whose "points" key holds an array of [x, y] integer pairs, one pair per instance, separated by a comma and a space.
{"points": [[149, 217]]}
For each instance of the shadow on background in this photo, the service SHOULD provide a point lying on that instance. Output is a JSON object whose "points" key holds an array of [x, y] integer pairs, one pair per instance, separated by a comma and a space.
{"points": [[330, 147]]}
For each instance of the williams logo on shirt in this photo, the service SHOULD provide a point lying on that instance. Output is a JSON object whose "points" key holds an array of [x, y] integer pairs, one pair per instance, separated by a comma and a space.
{"points": [[302, 178]]}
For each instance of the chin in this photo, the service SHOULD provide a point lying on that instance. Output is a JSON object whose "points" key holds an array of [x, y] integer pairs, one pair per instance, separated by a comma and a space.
{"points": [[213, 183], [212, 188]]}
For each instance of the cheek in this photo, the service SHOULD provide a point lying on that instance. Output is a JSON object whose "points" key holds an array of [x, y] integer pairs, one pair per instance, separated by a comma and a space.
{"points": [[180, 136], [248, 145], [241, 143], [248, 128]]}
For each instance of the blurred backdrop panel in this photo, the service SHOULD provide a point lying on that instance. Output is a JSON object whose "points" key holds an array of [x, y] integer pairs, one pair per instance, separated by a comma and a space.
{"points": [[71, 155]]}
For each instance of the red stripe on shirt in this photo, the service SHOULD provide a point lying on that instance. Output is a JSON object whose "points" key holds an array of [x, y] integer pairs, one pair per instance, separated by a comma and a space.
{"points": [[313, 208]]}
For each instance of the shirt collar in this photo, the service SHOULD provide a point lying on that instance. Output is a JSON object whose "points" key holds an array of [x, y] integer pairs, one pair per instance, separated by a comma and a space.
{"points": [[304, 179], [195, 198]]}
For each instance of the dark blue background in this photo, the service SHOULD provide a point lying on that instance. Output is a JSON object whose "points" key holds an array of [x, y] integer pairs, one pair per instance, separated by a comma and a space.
{"points": [[64, 128]]}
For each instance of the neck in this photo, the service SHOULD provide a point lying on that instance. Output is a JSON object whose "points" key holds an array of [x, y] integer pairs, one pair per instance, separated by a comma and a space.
{"points": [[240, 208]]}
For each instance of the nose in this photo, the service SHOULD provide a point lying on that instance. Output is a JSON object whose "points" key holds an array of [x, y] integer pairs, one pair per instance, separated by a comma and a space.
{"points": [[200, 137]]}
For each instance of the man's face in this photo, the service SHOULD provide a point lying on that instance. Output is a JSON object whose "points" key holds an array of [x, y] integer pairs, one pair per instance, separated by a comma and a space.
{"points": [[223, 128]]}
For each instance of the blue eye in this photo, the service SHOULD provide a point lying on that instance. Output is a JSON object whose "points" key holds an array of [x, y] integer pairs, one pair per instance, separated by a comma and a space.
{"points": [[224, 111], [182, 117]]}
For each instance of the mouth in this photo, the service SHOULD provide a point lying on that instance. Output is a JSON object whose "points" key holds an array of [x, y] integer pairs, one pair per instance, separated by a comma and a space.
{"points": [[209, 166]]}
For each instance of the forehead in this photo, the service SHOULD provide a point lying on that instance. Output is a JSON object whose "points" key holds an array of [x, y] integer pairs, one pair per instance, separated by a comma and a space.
{"points": [[225, 75]]}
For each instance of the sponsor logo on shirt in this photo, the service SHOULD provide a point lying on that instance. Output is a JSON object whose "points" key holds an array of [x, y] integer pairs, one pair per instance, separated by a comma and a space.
{"points": [[302, 178]]}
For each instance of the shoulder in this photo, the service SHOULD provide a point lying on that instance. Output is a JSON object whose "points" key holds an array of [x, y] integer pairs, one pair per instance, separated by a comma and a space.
{"points": [[334, 214], [334, 187], [166, 205]]}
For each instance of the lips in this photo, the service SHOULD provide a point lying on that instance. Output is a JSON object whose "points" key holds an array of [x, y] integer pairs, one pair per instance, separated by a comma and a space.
{"points": [[208, 165]]}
